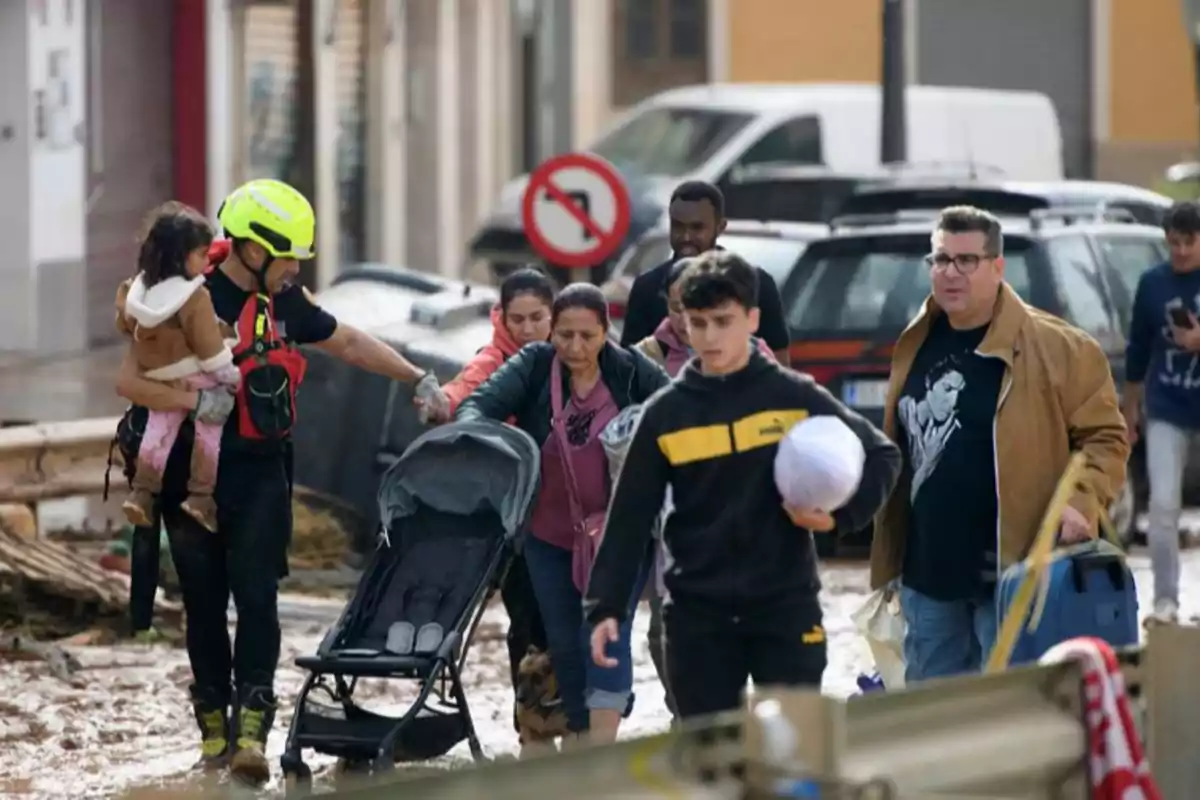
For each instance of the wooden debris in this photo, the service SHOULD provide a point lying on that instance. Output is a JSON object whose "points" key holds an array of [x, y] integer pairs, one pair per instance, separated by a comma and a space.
{"points": [[49, 588]]}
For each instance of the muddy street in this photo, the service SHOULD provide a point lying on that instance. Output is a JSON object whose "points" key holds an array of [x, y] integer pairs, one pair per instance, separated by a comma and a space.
{"points": [[122, 722]]}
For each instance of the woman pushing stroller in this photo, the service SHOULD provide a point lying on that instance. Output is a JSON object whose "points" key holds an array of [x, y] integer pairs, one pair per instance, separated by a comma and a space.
{"points": [[563, 393]]}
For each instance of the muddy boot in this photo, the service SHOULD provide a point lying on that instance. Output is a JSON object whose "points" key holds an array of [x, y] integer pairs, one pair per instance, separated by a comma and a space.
{"points": [[214, 733], [203, 509], [254, 720], [149, 635], [139, 508]]}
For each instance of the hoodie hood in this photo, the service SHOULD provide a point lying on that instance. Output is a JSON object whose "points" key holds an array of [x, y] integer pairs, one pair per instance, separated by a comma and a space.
{"points": [[502, 338], [154, 306], [676, 354], [666, 334], [758, 366]]}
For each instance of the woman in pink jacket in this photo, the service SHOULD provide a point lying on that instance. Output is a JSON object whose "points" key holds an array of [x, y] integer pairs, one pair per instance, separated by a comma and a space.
{"points": [[521, 317]]}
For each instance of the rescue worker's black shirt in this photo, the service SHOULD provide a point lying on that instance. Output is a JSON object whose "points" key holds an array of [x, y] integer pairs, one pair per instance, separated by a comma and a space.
{"points": [[647, 307], [297, 320], [945, 422], [713, 441]]}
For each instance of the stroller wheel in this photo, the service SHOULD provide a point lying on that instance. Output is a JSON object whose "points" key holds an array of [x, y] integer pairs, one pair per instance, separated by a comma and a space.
{"points": [[383, 765], [351, 769], [297, 778]]}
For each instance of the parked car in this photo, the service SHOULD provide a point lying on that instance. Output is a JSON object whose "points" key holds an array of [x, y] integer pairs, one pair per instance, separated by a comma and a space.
{"points": [[792, 192], [354, 421], [707, 132], [914, 192], [773, 246], [853, 292]]}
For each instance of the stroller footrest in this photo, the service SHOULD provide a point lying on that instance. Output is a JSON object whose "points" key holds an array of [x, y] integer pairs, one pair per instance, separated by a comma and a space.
{"points": [[356, 733], [358, 661], [382, 665]]}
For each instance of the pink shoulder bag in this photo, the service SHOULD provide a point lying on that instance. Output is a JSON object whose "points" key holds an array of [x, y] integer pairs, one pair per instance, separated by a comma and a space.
{"points": [[588, 529]]}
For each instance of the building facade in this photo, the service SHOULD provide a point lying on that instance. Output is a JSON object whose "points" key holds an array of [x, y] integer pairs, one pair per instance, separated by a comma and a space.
{"points": [[1121, 72], [402, 119]]}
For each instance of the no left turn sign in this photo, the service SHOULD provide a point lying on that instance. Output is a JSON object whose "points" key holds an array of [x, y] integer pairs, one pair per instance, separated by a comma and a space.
{"points": [[575, 210]]}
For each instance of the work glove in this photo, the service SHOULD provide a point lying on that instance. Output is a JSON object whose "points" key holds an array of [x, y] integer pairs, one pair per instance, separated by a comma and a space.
{"points": [[213, 406], [430, 399]]}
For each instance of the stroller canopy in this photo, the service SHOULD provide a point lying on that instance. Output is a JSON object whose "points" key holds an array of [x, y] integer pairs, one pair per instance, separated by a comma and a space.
{"points": [[462, 468]]}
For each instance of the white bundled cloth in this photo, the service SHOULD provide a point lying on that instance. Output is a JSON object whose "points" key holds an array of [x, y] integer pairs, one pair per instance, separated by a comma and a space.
{"points": [[616, 437], [819, 464]]}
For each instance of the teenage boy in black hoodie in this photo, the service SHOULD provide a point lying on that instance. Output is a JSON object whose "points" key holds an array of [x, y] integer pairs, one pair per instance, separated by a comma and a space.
{"points": [[742, 582]]}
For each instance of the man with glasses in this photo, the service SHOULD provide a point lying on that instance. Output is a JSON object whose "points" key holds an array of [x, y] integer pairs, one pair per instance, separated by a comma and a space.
{"points": [[988, 399]]}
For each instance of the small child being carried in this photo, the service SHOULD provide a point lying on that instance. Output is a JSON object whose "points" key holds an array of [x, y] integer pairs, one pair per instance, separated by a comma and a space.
{"points": [[177, 338]]}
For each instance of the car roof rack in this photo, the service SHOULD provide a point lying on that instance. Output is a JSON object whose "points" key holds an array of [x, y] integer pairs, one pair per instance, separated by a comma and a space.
{"points": [[1070, 215], [944, 169], [883, 218]]}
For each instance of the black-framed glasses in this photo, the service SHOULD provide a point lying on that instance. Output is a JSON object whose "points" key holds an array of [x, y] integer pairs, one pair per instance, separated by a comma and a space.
{"points": [[965, 263]]}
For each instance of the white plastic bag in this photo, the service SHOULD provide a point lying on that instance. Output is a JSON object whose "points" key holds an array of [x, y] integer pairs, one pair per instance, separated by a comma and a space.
{"points": [[881, 623], [819, 464], [616, 437]]}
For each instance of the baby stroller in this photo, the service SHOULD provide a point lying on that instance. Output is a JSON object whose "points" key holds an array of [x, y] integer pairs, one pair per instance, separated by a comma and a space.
{"points": [[455, 506]]}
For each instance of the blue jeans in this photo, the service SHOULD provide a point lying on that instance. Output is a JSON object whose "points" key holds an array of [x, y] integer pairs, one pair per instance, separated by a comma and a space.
{"points": [[582, 684], [945, 637]]}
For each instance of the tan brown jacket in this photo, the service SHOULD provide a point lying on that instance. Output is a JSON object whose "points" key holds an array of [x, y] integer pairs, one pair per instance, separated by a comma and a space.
{"points": [[174, 328], [1057, 396]]}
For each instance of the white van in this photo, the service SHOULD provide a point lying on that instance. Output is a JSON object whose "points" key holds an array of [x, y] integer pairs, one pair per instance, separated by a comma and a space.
{"points": [[705, 132]]}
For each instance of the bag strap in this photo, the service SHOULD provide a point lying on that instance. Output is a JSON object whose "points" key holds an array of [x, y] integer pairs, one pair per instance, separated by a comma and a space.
{"points": [[557, 410]]}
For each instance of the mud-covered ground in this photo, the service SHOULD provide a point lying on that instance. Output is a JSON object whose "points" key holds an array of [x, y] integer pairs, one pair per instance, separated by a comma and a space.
{"points": [[122, 722]]}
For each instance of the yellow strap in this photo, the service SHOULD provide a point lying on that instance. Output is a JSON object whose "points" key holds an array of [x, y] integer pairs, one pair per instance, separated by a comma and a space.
{"points": [[1036, 563]]}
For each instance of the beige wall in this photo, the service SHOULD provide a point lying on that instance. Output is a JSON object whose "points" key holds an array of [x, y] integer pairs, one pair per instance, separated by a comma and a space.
{"points": [[804, 40], [1153, 96], [1153, 119]]}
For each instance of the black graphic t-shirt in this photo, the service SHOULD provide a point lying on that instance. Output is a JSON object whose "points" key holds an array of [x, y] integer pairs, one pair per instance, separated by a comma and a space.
{"points": [[946, 417]]}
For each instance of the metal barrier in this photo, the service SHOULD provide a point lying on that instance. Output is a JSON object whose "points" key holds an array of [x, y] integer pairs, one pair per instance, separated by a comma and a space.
{"points": [[1016, 735], [54, 460], [68, 459]]}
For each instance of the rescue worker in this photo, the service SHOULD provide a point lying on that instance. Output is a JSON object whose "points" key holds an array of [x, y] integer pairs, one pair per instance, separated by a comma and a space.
{"points": [[269, 227]]}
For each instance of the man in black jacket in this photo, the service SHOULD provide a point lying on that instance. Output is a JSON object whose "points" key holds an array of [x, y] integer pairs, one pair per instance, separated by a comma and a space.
{"points": [[697, 214], [742, 580]]}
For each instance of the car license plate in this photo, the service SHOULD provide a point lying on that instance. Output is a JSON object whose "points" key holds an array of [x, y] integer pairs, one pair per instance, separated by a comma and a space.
{"points": [[865, 393]]}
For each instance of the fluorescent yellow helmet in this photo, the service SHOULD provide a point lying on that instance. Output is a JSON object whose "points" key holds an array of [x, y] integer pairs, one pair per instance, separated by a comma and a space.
{"points": [[273, 214]]}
